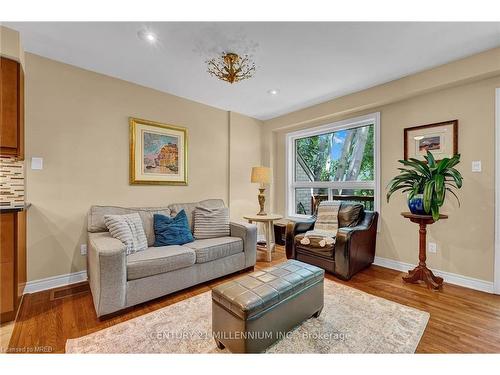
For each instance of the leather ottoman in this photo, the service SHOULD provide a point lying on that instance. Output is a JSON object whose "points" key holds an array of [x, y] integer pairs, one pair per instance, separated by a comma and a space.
{"points": [[252, 312]]}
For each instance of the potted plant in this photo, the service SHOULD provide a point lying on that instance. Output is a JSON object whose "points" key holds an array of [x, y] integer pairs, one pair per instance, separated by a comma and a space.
{"points": [[426, 183]]}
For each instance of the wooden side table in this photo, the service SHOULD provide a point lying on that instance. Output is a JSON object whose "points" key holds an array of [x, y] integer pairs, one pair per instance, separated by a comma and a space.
{"points": [[268, 229], [421, 272]]}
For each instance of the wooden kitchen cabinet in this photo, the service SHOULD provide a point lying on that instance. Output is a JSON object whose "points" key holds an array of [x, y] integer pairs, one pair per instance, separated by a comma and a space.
{"points": [[12, 261], [12, 108]]}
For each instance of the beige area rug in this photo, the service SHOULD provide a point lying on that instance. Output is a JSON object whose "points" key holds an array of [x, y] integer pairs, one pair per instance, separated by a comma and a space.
{"points": [[351, 322]]}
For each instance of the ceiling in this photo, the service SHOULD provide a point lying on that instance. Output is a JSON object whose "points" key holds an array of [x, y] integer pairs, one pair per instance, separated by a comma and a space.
{"points": [[307, 62]]}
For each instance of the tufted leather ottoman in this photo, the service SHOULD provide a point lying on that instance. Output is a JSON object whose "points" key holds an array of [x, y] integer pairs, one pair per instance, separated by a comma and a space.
{"points": [[252, 312]]}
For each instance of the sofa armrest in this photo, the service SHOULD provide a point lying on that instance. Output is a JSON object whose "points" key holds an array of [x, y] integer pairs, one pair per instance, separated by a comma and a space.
{"points": [[248, 233], [107, 269], [292, 229], [355, 246]]}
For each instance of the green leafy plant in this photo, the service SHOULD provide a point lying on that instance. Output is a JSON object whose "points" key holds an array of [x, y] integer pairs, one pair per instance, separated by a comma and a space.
{"points": [[430, 178]]}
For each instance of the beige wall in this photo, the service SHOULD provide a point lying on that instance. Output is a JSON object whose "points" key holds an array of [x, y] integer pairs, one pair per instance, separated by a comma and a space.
{"points": [[77, 121], [466, 240], [245, 153], [480, 66]]}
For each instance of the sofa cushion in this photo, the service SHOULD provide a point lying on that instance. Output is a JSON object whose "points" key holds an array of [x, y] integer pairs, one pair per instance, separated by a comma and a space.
{"points": [[211, 222], [172, 230], [214, 248], [95, 220], [156, 260], [128, 229], [190, 207]]}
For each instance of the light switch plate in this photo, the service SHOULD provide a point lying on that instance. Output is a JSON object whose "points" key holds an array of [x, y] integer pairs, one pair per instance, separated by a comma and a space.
{"points": [[36, 163], [83, 249], [476, 166]]}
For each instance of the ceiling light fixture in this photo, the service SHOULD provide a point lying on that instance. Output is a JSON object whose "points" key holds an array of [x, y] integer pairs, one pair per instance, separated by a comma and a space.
{"points": [[147, 36], [273, 92], [231, 67]]}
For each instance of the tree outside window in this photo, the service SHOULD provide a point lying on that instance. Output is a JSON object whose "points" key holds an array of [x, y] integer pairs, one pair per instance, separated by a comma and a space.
{"points": [[337, 158]]}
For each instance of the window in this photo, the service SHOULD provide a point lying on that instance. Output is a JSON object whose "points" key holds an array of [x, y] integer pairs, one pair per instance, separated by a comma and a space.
{"points": [[338, 161]]}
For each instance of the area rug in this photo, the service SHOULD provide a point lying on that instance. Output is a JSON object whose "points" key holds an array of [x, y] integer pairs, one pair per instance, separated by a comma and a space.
{"points": [[351, 322]]}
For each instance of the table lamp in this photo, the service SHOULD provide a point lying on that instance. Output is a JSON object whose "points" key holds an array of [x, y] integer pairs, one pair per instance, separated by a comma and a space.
{"points": [[261, 175]]}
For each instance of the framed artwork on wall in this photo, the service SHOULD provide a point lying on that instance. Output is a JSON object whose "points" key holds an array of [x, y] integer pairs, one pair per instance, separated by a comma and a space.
{"points": [[441, 139], [158, 153]]}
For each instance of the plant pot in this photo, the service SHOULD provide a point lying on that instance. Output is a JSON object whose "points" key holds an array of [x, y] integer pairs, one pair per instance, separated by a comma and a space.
{"points": [[416, 205]]}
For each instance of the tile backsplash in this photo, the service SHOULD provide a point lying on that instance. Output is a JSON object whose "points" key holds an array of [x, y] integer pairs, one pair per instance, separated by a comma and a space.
{"points": [[11, 182]]}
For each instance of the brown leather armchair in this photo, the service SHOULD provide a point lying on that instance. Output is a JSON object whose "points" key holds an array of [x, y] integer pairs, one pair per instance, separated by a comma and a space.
{"points": [[354, 248]]}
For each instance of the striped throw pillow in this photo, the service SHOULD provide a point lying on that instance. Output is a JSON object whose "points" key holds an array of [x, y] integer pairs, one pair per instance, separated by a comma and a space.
{"points": [[327, 219], [128, 229], [211, 223]]}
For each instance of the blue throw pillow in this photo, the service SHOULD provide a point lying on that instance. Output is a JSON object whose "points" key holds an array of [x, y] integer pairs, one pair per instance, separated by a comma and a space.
{"points": [[172, 230]]}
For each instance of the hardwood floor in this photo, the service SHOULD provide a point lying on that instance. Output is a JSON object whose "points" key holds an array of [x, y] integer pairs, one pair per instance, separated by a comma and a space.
{"points": [[462, 320], [5, 335]]}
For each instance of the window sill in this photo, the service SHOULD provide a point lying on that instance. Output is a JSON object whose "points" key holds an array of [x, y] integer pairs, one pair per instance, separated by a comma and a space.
{"points": [[299, 217]]}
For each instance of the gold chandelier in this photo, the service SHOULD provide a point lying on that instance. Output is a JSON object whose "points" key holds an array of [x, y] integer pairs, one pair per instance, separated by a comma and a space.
{"points": [[230, 67]]}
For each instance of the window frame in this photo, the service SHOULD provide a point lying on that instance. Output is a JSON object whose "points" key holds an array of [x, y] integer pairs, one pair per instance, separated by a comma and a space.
{"points": [[291, 184]]}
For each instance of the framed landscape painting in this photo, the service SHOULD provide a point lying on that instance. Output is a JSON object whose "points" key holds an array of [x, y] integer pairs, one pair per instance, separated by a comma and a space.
{"points": [[158, 153], [441, 139]]}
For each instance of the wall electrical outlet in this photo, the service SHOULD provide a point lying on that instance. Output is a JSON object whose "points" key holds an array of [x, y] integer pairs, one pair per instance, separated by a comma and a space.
{"points": [[83, 249], [432, 248], [476, 166]]}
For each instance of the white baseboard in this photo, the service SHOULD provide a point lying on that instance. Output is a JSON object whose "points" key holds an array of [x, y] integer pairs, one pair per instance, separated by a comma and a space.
{"points": [[449, 277], [54, 282]]}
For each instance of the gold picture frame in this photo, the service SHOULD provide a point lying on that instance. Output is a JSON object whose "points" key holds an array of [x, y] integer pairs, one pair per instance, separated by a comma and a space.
{"points": [[158, 153]]}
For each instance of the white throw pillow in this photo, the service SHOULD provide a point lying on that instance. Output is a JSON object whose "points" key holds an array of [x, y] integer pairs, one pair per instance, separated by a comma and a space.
{"points": [[128, 229], [211, 223]]}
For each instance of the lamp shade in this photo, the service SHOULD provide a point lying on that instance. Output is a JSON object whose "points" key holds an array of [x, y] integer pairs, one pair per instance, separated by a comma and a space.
{"points": [[261, 175]]}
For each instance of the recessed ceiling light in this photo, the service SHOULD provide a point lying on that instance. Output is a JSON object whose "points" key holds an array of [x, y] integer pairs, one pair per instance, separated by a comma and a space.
{"points": [[273, 92], [147, 35]]}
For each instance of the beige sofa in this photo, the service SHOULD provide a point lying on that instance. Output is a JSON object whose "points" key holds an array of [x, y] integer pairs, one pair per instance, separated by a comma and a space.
{"points": [[118, 281]]}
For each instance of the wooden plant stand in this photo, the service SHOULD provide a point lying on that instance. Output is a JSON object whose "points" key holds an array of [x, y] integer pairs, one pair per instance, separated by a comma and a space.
{"points": [[421, 272]]}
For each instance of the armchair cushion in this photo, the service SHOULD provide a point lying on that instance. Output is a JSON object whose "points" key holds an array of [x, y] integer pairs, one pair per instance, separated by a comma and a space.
{"points": [[322, 234], [349, 214], [314, 246]]}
